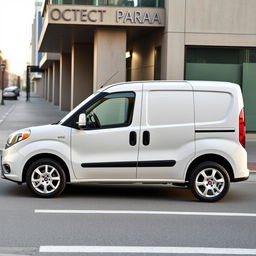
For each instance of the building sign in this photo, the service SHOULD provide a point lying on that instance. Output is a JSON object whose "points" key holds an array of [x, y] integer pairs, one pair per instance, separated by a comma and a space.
{"points": [[82, 15], [137, 17], [113, 16]]}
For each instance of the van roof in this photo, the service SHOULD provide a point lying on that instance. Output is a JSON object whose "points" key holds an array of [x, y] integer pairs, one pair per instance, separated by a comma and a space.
{"points": [[200, 84]]}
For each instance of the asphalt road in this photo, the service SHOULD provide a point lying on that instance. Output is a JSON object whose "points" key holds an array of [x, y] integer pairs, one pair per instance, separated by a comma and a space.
{"points": [[22, 227], [119, 219]]}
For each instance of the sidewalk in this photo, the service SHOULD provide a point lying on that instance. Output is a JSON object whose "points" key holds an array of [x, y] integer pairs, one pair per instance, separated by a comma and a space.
{"points": [[15, 115]]}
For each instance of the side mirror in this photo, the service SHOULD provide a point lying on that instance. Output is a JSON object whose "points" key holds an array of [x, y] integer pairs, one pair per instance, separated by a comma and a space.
{"points": [[82, 121]]}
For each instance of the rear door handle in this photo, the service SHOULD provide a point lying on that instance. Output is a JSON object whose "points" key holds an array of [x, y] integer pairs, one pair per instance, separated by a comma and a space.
{"points": [[133, 138], [146, 138]]}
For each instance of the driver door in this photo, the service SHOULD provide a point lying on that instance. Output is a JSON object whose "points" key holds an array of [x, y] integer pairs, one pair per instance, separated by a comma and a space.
{"points": [[108, 147]]}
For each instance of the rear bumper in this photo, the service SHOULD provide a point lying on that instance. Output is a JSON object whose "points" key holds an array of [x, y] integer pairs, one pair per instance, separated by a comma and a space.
{"points": [[241, 179]]}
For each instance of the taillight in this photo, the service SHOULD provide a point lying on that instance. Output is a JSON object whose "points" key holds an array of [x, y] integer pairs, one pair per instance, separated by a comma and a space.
{"points": [[242, 128]]}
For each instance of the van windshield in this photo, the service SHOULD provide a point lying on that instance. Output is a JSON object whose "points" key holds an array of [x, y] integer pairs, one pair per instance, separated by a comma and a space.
{"points": [[77, 107]]}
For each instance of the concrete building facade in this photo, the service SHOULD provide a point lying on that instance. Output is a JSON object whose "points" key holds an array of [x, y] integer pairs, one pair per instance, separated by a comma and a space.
{"points": [[6, 72], [100, 42], [36, 56]]}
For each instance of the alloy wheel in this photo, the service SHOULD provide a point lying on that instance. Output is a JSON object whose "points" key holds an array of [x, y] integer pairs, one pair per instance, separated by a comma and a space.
{"points": [[209, 182], [45, 179]]}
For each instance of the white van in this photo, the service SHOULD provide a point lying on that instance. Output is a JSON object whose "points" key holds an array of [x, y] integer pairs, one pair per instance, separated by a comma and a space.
{"points": [[188, 133]]}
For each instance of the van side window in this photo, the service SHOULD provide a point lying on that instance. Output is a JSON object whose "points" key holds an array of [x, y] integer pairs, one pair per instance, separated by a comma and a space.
{"points": [[111, 111]]}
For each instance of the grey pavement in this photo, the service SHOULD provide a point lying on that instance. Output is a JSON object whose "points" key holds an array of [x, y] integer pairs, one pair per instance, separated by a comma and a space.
{"points": [[251, 150]]}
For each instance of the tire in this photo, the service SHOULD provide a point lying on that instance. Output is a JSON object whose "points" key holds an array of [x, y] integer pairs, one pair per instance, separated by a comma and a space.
{"points": [[46, 178], [209, 182]]}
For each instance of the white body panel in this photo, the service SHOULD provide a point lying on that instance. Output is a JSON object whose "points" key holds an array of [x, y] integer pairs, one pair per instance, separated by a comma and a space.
{"points": [[167, 113], [47, 139], [107, 146], [185, 120]]}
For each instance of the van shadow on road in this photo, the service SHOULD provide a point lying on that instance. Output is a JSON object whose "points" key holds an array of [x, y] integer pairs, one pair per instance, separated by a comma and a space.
{"points": [[106, 191]]}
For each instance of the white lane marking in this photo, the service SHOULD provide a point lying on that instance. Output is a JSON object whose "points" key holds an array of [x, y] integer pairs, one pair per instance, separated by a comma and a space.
{"points": [[15, 251], [227, 214], [146, 249], [7, 113]]}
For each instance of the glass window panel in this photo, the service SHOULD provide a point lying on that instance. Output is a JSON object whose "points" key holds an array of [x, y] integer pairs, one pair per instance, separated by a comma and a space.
{"points": [[252, 55], [67, 2], [101, 2], [213, 55], [114, 110], [147, 3], [84, 2], [127, 3], [220, 55], [121, 2], [161, 3]]}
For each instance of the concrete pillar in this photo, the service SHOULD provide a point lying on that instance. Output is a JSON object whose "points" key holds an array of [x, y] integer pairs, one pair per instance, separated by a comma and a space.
{"points": [[39, 86], [81, 73], [173, 42], [173, 56], [56, 83], [49, 92], [109, 57], [35, 87], [32, 86], [45, 83], [65, 81]]}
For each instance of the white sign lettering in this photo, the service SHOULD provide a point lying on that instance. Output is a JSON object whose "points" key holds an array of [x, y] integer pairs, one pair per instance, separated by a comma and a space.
{"points": [[108, 16], [134, 17]]}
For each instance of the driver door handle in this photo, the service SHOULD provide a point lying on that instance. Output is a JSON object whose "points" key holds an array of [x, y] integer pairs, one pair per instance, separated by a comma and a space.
{"points": [[133, 138]]}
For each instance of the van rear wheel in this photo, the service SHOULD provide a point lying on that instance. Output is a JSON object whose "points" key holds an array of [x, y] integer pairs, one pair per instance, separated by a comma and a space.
{"points": [[46, 178], [209, 182]]}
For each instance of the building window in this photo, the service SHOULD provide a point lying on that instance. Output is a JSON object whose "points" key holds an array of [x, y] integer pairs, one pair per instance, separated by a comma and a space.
{"points": [[84, 2], [220, 55], [125, 3], [157, 68]]}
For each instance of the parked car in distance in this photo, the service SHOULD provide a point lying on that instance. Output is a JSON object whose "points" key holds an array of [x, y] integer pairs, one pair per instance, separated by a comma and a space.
{"points": [[185, 133], [16, 89], [10, 93]]}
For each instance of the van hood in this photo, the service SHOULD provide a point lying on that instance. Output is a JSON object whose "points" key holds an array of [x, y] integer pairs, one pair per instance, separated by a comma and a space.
{"points": [[50, 132]]}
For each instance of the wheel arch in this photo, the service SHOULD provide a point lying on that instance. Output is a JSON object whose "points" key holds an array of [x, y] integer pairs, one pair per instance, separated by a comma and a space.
{"points": [[45, 155], [210, 157]]}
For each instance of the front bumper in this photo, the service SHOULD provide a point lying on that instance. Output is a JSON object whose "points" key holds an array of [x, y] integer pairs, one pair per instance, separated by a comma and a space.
{"points": [[12, 159]]}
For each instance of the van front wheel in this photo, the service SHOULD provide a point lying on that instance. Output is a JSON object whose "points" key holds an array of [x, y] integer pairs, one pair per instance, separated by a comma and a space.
{"points": [[209, 182], [46, 178]]}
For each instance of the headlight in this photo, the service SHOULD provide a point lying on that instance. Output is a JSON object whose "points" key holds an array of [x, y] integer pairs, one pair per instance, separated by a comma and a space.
{"points": [[17, 137]]}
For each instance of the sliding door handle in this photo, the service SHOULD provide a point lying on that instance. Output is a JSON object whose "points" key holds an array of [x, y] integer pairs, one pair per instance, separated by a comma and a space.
{"points": [[146, 138], [133, 138]]}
